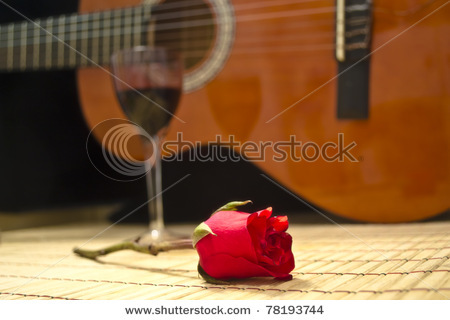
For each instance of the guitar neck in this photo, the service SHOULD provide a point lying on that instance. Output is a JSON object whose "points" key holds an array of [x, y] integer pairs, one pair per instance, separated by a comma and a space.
{"points": [[70, 41]]}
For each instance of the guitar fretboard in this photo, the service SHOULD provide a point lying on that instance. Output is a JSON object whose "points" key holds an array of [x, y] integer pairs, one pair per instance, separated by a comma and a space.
{"points": [[70, 41]]}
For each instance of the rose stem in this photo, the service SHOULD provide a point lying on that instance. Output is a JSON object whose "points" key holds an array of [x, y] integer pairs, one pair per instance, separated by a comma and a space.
{"points": [[153, 248]]}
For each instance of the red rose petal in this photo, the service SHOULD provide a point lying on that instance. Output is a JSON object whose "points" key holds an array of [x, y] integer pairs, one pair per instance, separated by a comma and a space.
{"points": [[223, 266], [256, 226], [281, 257], [285, 278], [231, 238], [279, 223]]}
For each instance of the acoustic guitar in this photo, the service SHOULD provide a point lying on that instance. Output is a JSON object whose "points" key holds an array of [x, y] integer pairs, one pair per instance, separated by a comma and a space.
{"points": [[266, 71]]}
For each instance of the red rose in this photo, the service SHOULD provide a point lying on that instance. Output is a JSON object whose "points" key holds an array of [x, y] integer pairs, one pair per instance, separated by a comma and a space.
{"points": [[240, 245]]}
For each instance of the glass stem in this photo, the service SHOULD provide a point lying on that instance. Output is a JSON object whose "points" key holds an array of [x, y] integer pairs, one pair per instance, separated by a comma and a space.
{"points": [[154, 188]]}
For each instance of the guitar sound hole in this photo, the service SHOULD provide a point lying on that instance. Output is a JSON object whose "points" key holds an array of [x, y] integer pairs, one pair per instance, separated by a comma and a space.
{"points": [[186, 26]]}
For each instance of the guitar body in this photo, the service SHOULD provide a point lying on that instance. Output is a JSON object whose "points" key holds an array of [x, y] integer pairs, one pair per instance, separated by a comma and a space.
{"points": [[278, 81]]}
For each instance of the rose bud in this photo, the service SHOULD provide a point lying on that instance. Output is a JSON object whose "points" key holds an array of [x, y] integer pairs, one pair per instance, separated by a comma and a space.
{"points": [[234, 244]]}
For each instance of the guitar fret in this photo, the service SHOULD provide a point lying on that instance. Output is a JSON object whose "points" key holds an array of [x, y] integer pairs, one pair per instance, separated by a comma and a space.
{"points": [[55, 43], [137, 28], [73, 41], [89, 41], [116, 31], [48, 43], [100, 39], [43, 45], [61, 41], [147, 18], [128, 24], [77, 45], [84, 40], [16, 45], [36, 44], [122, 29], [23, 46], [67, 47], [118, 43], [95, 37], [10, 49], [106, 36], [29, 45]]}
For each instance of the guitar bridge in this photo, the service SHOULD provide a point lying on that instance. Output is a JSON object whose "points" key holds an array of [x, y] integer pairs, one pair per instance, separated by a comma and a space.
{"points": [[353, 39]]}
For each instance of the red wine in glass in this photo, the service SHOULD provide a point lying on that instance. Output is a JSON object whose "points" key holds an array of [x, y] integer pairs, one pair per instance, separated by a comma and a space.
{"points": [[145, 104], [148, 83]]}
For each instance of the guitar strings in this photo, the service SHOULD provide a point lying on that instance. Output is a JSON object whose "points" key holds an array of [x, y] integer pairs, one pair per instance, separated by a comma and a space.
{"points": [[195, 23], [198, 48], [276, 3], [200, 52], [293, 26], [177, 25], [264, 4], [170, 16], [116, 31], [242, 7], [193, 51]]}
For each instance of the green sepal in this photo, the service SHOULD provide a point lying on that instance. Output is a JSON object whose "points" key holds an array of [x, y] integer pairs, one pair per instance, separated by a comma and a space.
{"points": [[200, 232], [232, 206], [210, 279]]}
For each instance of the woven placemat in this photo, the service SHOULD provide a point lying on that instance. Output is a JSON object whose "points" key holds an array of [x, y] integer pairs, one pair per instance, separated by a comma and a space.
{"points": [[350, 261]]}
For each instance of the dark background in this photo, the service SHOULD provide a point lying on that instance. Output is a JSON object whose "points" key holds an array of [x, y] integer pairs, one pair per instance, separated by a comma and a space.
{"points": [[44, 162]]}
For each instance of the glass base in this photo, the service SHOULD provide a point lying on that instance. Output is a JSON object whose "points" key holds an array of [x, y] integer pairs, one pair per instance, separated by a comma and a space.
{"points": [[152, 236]]}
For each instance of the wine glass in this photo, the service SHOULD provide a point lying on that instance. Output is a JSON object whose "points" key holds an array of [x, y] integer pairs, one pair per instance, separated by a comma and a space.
{"points": [[148, 83]]}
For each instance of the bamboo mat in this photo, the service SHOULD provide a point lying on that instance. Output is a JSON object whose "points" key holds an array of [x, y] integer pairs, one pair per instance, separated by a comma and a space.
{"points": [[352, 261]]}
